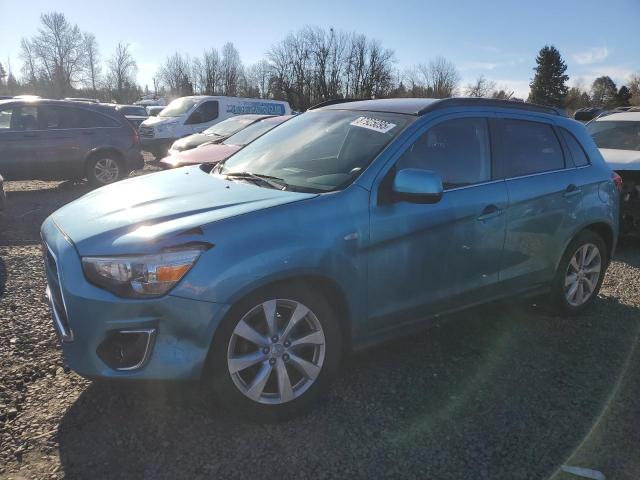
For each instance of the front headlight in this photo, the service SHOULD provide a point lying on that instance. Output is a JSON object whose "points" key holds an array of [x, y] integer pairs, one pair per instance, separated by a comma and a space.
{"points": [[140, 276], [165, 127]]}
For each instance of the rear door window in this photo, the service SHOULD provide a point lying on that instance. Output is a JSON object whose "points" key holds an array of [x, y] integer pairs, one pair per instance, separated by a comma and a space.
{"points": [[27, 118], [458, 150], [58, 118], [89, 119], [529, 147], [578, 154]]}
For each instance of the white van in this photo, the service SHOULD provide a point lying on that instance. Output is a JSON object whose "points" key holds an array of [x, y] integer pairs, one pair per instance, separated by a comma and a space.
{"points": [[187, 115]]}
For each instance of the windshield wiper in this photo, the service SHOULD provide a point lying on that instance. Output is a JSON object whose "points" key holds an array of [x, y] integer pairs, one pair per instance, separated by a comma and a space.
{"points": [[273, 182]]}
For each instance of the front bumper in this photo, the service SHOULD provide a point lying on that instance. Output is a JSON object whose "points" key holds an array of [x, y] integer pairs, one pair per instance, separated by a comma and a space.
{"points": [[86, 316]]}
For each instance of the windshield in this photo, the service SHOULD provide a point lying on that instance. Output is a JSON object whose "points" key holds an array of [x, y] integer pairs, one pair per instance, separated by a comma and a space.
{"points": [[620, 135], [319, 150], [178, 107], [230, 126], [252, 132]]}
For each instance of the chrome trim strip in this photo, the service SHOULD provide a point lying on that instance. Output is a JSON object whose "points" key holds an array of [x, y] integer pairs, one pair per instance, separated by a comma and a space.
{"points": [[489, 182], [151, 335], [65, 335]]}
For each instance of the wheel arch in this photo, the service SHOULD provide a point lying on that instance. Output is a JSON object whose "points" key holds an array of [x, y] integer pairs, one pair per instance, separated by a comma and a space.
{"points": [[93, 153], [329, 288], [601, 228]]}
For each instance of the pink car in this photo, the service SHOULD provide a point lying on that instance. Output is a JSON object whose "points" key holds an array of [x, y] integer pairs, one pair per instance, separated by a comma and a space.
{"points": [[216, 152]]}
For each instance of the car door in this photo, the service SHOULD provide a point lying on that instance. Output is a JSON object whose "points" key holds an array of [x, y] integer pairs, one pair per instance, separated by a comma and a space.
{"points": [[428, 258], [19, 141], [203, 116], [544, 199], [66, 143]]}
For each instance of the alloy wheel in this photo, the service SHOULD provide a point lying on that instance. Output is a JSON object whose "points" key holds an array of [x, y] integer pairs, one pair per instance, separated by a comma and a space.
{"points": [[106, 170], [583, 274], [276, 351]]}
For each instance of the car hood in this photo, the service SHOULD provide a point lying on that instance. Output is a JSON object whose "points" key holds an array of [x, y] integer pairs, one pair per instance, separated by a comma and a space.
{"points": [[151, 121], [621, 159], [192, 141], [146, 214], [204, 154]]}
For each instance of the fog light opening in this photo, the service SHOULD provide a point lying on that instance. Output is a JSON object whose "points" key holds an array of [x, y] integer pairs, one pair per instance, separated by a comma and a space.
{"points": [[127, 349]]}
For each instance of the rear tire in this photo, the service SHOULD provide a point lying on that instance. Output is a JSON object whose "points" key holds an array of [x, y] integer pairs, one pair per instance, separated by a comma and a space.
{"points": [[286, 365], [580, 273], [105, 168]]}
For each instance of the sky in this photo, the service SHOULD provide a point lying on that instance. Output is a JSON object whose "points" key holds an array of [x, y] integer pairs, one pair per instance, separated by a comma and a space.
{"points": [[498, 39]]}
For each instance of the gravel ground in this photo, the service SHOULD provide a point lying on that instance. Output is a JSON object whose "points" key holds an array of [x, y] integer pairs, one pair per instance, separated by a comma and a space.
{"points": [[503, 391]]}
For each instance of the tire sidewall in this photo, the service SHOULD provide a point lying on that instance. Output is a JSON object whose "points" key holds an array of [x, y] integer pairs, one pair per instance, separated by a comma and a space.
{"points": [[216, 373], [91, 168], [586, 236]]}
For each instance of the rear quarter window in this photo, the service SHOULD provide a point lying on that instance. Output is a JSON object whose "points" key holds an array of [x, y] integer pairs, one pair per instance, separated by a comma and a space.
{"points": [[580, 158], [529, 147]]}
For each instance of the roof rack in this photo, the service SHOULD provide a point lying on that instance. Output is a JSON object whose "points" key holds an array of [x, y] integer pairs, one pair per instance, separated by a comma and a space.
{"points": [[490, 102], [335, 101]]}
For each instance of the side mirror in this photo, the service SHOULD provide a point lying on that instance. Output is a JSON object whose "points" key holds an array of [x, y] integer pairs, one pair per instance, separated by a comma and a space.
{"points": [[195, 117], [417, 186]]}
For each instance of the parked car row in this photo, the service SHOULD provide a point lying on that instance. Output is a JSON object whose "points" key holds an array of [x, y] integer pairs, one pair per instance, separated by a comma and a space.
{"points": [[188, 115], [342, 227]]}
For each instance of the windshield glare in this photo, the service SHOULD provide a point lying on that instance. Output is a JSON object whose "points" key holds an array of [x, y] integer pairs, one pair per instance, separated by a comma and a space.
{"points": [[318, 151], [250, 133], [229, 126], [618, 135], [178, 107]]}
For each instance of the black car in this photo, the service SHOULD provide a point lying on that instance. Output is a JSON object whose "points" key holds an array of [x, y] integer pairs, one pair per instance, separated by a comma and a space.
{"points": [[136, 114], [57, 140]]}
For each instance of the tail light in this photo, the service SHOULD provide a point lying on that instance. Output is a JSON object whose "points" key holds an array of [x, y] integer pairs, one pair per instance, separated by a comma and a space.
{"points": [[136, 136], [617, 181]]}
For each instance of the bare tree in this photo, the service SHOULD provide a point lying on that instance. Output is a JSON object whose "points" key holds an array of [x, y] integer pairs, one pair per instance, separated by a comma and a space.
{"points": [[482, 87], [121, 73], [231, 69], [259, 75], [634, 88], [93, 62], [207, 72], [175, 74], [57, 53], [440, 76]]}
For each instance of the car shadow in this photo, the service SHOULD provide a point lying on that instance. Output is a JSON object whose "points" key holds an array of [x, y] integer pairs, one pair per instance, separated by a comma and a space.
{"points": [[627, 250], [505, 389]]}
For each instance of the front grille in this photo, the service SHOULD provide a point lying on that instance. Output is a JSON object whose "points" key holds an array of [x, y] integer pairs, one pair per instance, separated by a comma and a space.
{"points": [[55, 292], [145, 131]]}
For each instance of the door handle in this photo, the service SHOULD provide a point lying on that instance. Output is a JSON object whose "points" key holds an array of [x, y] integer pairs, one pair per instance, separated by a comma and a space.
{"points": [[571, 191], [490, 211]]}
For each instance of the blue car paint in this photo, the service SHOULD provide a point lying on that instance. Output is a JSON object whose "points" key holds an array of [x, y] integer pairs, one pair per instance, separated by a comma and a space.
{"points": [[392, 263]]}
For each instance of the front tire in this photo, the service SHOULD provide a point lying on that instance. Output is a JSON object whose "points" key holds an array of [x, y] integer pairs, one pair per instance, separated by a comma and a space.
{"points": [[580, 273], [275, 354]]}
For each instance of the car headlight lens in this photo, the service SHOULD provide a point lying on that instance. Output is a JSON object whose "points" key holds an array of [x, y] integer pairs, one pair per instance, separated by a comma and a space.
{"points": [[140, 276], [165, 127]]}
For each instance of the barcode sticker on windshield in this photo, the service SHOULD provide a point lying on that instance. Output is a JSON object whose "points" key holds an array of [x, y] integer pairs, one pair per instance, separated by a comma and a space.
{"points": [[373, 124]]}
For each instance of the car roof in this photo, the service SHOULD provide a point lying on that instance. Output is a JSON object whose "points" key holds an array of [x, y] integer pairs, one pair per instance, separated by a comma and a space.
{"points": [[422, 106], [620, 117]]}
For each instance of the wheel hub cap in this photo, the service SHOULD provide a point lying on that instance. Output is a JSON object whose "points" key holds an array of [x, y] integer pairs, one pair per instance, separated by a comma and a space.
{"points": [[276, 351], [583, 274]]}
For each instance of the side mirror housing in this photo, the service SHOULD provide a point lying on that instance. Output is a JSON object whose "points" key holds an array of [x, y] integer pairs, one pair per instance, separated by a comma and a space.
{"points": [[417, 186]]}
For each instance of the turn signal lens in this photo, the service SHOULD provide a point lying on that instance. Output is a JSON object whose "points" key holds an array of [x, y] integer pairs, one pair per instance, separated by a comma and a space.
{"points": [[617, 181]]}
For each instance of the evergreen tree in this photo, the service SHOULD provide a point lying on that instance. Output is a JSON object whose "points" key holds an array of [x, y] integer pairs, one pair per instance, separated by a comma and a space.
{"points": [[604, 92], [548, 86], [3, 74], [624, 96]]}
